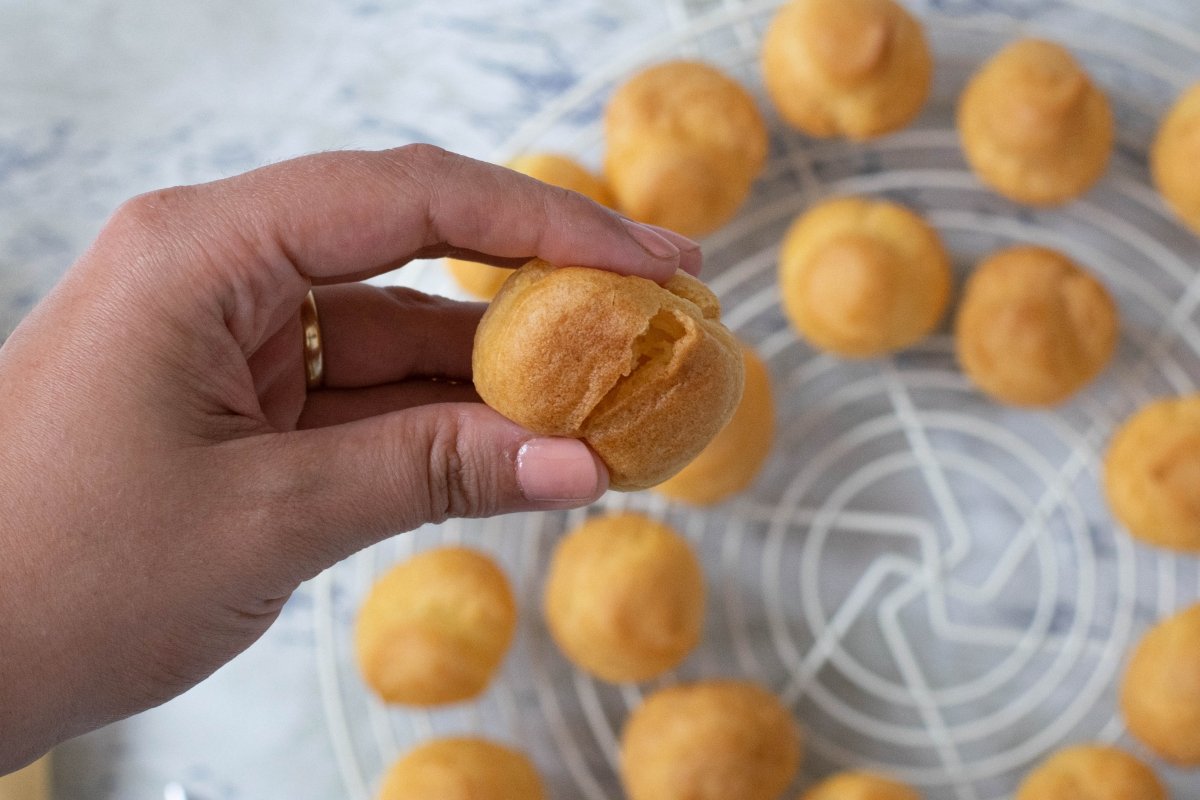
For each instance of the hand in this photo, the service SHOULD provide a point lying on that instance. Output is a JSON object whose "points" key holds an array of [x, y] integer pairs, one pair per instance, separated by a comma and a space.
{"points": [[167, 480]]}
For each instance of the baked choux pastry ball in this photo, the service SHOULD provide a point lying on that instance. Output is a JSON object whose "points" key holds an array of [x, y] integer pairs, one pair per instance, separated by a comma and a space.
{"points": [[1033, 125], [1160, 693], [1152, 473], [683, 145], [734, 458], [861, 278], [1091, 772], [1033, 327], [860, 786], [462, 769], [1174, 155], [645, 374], [855, 68], [625, 597], [483, 280], [711, 740], [435, 628]]}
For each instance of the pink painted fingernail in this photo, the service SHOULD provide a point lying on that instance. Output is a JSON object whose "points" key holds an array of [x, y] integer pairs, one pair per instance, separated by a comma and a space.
{"points": [[651, 241], [557, 469]]}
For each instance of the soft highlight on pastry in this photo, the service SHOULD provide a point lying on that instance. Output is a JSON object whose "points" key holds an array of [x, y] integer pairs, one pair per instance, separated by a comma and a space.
{"points": [[624, 597], [1160, 693], [683, 145], [711, 740], [465, 768], [733, 459], [484, 280], [1091, 772], [1174, 156], [862, 278], [435, 628], [1152, 473], [854, 68], [860, 786], [1033, 125], [646, 374], [1033, 327]]}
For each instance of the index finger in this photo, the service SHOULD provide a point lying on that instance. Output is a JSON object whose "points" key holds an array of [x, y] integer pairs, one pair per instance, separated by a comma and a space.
{"points": [[349, 215]]}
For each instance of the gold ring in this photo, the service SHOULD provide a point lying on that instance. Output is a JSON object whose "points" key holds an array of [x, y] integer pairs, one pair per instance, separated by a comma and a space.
{"points": [[310, 326]]}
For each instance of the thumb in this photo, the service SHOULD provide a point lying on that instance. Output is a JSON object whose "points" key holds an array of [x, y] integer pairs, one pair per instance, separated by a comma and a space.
{"points": [[344, 487]]}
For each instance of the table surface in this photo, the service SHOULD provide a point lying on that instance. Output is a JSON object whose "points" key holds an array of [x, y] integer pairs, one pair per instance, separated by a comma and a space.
{"points": [[101, 100]]}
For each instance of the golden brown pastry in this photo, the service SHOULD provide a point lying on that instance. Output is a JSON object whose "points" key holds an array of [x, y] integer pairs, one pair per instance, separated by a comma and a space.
{"points": [[462, 769], [645, 374], [1160, 694], [733, 459], [1174, 156], [1091, 772], [625, 597], [1033, 327], [484, 280], [1152, 473], [712, 740], [684, 142], [435, 628], [1033, 125], [856, 68], [862, 278], [860, 786]]}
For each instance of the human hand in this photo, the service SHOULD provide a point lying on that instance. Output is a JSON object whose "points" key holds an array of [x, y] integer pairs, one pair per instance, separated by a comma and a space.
{"points": [[167, 480]]}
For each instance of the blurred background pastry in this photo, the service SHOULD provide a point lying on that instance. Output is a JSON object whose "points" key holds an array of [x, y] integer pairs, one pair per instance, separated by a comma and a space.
{"points": [[860, 786], [1152, 473], [435, 628], [624, 597], [484, 280], [1091, 772], [683, 145], [1033, 327], [1033, 125], [854, 68], [711, 740], [462, 769], [862, 278], [733, 459], [1160, 693], [645, 374], [1175, 154]]}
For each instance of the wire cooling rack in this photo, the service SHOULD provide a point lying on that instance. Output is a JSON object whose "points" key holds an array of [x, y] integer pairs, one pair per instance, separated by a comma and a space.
{"points": [[931, 582]]}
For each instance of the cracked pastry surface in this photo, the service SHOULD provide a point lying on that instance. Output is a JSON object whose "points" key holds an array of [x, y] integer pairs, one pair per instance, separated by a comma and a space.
{"points": [[861, 278], [484, 280], [710, 740], [1033, 327], [645, 374], [466, 768], [1091, 772], [1174, 155], [1152, 473], [855, 68], [435, 628], [1033, 125], [733, 459], [860, 786], [624, 597], [683, 145], [1160, 693]]}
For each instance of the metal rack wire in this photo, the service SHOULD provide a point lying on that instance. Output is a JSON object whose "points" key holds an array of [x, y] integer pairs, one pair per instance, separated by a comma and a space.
{"points": [[932, 582]]}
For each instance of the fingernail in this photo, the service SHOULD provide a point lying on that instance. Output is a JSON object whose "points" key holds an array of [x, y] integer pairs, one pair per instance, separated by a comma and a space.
{"points": [[650, 240], [557, 469]]}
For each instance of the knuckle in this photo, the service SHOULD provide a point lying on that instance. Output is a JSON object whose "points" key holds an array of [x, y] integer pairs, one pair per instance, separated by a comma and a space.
{"points": [[152, 212], [457, 483]]}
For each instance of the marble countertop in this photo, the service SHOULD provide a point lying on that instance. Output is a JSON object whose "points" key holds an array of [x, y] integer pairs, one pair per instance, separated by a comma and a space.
{"points": [[101, 100]]}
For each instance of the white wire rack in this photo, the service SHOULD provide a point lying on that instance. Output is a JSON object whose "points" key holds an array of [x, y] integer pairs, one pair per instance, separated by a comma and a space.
{"points": [[930, 581]]}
